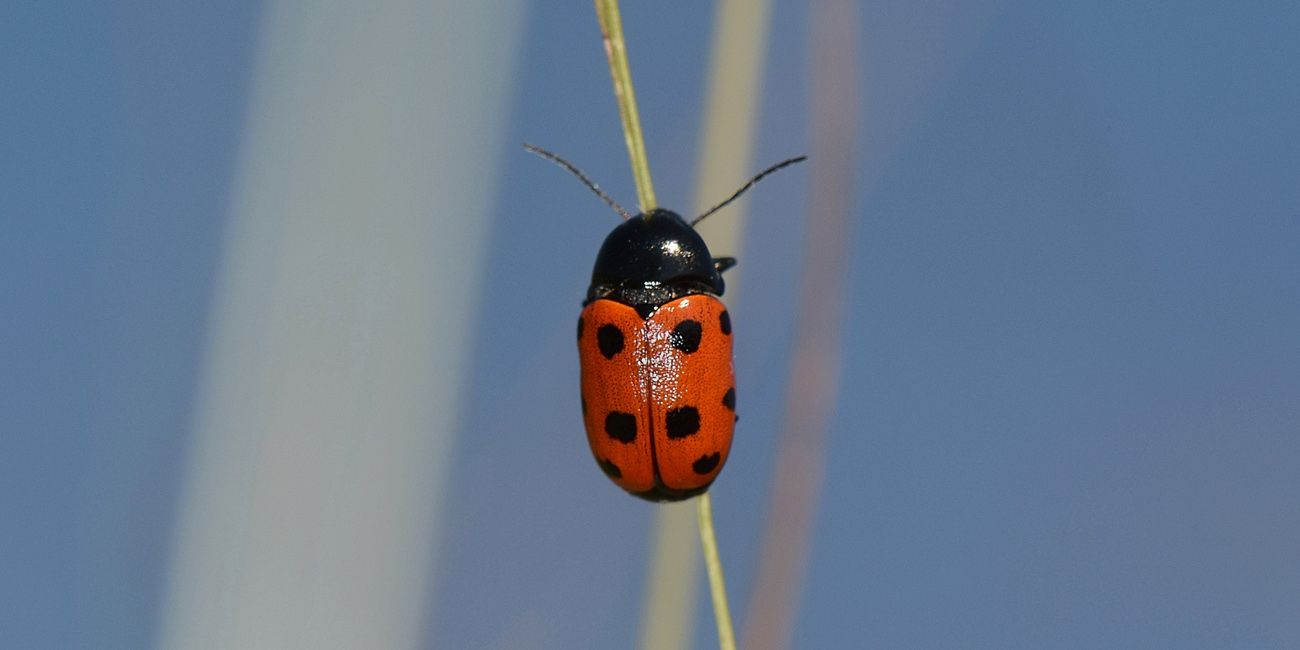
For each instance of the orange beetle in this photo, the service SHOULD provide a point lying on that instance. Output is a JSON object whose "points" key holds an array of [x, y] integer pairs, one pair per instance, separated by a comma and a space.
{"points": [[654, 340]]}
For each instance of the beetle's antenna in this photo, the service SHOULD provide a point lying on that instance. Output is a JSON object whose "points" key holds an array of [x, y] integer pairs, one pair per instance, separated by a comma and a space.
{"points": [[774, 168], [581, 176]]}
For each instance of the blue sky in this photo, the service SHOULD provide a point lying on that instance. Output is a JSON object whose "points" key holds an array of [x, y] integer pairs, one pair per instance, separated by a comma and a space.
{"points": [[1068, 406]]}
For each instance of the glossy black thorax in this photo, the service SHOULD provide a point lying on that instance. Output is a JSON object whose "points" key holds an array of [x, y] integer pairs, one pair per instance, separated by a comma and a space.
{"points": [[653, 259]]}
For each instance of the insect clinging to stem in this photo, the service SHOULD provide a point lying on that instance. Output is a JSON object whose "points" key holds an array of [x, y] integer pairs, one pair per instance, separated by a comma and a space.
{"points": [[654, 340]]}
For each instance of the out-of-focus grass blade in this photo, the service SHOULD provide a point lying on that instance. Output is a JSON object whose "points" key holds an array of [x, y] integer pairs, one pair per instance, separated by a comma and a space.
{"points": [[814, 378], [334, 367]]}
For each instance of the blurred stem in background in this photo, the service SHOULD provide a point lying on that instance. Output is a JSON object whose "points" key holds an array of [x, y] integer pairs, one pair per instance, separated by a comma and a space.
{"points": [[814, 377], [725, 159], [341, 326], [737, 62]]}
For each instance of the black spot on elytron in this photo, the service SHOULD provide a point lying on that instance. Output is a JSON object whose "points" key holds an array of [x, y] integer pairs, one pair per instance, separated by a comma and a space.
{"points": [[728, 400], [646, 310], [610, 340], [683, 422], [582, 322], [705, 464], [621, 426], [724, 319], [611, 470], [584, 406], [686, 336]]}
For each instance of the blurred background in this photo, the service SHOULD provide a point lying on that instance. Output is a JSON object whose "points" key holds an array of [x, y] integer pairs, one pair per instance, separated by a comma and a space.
{"points": [[286, 325]]}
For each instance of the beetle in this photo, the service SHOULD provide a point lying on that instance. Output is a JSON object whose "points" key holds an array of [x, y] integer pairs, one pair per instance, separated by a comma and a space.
{"points": [[654, 341]]}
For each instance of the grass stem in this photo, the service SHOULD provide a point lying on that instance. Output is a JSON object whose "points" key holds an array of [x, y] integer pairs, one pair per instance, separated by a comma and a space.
{"points": [[611, 29], [721, 611]]}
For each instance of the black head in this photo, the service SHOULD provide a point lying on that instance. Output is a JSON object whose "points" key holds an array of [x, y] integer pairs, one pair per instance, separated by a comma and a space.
{"points": [[651, 259]]}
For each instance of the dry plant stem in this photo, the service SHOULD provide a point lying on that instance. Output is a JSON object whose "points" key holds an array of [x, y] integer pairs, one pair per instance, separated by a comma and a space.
{"points": [[721, 612], [611, 29]]}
